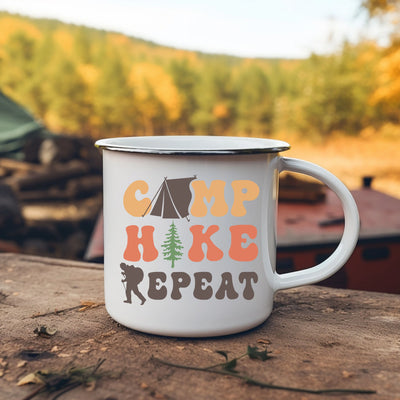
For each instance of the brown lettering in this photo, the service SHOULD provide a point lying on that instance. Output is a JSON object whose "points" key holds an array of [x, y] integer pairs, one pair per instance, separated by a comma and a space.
{"points": [[180, 280], [226, 287], [201, 292], [248, 292], [156, 291]]}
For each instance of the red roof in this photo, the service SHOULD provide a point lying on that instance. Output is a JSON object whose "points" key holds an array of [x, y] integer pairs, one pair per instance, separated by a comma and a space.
{"points": [[305, 223]]}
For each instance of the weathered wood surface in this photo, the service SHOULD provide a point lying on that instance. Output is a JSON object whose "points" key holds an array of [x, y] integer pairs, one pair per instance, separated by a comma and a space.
{"points": [[320, 338]]}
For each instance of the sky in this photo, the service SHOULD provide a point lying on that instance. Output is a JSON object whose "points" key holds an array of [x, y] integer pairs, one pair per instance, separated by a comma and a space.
{"points": [[252, 28]]}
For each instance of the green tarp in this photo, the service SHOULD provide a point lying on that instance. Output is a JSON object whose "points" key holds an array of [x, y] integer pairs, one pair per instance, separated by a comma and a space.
{"points": [[16, 127]]}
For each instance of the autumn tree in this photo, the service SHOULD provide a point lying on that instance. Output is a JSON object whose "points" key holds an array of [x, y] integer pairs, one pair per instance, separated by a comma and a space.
{"points": [[215, 99], [386, 96], [387, 93], [17, 62], [83, 80], [114, 99], [157, 99], [68, 108], [379, 7], [336, 92], [254, 102], [82, 45], [184, 77], [37, 96]]}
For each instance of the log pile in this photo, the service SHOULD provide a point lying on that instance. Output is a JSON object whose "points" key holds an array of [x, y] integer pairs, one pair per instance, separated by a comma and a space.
{"points": [[50, 200]]}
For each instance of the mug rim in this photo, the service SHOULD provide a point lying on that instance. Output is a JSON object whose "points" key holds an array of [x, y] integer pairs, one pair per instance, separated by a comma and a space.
{"points": [[193, 145]]}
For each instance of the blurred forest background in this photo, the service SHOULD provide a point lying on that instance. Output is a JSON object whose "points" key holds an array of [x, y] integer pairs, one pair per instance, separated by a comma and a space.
{"points": [[340, 110]]}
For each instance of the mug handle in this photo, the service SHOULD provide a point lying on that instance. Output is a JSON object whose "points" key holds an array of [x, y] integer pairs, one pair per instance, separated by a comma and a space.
{"points": [[350, 234]]}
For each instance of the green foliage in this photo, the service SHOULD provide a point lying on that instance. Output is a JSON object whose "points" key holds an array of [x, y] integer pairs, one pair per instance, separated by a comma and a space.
{"points": [[172, 246], [336, 92], [67, 84], [254, 104], [17, 65], [184, 77], [214, 94], [113, 101], [82, 80]]}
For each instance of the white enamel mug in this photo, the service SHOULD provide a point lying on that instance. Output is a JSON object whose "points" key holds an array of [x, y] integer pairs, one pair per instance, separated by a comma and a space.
{"points": [[190, 232]]}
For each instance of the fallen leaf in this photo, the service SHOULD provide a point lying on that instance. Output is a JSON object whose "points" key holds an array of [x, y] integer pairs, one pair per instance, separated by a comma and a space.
{"points": [[22, 364], [109, 333], [88, 304], [33, 377], [3, 367], [59, 382], [347, 374], [144, 385]]}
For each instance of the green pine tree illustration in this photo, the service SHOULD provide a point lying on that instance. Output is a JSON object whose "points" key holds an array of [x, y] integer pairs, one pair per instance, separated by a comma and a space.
{"points": [[172, 245]]}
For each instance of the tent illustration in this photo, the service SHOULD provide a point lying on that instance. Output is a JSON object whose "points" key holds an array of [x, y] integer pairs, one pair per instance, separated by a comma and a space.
{"points": [[172, 199]]}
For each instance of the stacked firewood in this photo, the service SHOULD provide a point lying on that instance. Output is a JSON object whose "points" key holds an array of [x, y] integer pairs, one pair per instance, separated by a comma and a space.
{"points": [[50, 200]]}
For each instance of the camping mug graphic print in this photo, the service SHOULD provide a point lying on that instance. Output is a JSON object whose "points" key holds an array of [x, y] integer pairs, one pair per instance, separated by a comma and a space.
{"points": [[190, 232]]}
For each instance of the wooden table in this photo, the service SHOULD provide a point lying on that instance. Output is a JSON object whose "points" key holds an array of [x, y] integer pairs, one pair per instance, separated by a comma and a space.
{"points": [[319, 338]]}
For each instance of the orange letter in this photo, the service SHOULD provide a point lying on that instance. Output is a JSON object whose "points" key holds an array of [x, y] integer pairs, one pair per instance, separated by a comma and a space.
{"points": [[243, 191], [136, 208], [237, 251], [196, 251], [216, 190], [132, 252]]}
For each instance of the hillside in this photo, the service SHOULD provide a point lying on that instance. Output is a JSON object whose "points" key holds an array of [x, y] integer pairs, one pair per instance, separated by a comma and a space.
{"points": [[80, 80]]}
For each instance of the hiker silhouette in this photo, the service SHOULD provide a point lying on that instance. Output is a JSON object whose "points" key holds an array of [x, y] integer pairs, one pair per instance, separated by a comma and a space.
{"points": [[132, 276]]}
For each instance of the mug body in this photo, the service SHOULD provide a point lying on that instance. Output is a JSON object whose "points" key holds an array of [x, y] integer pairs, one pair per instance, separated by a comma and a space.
{"points": [[190, 240]]}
